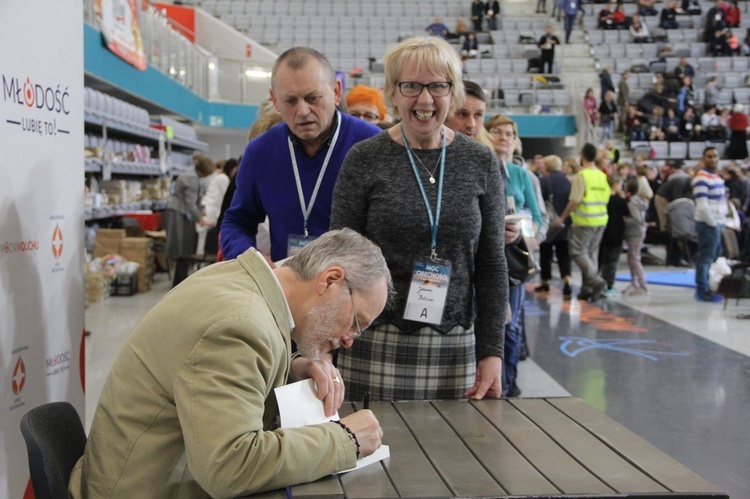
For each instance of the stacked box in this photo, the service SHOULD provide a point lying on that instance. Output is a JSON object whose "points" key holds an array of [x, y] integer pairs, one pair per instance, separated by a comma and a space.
{"points": [[141, 251], [107, 242], [97, 286]]}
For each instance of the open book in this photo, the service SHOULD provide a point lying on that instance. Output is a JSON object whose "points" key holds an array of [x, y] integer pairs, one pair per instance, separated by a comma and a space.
{"points": [[299, 406]]}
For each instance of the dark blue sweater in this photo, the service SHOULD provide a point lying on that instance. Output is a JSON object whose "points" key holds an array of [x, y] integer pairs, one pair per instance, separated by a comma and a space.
{"points": [[266, 186]]}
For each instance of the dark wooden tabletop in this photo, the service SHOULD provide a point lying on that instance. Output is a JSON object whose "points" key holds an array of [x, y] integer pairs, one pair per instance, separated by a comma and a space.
{"points": [[508, 448]]}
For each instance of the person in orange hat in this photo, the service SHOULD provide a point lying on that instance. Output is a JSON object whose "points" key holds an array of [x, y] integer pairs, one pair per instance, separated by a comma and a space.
{"points": [[366, 103]]}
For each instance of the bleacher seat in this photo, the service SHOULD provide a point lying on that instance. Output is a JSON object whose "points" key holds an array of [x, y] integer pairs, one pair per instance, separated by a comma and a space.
{"points": [[742, 95], [544, 97], [595, 37], [640, 147], [732, 79], [223, 7], [560, 97], [678, 150], [725, 96], [649, 50], [739, 63], [616, 50], [660, 148], [632, 50], [697, 49], [519, 65], [720, 148], [695, 149]]}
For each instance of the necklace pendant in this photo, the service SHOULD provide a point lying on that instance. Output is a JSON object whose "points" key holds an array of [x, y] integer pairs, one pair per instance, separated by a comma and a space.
{"points": [[432, 179]]}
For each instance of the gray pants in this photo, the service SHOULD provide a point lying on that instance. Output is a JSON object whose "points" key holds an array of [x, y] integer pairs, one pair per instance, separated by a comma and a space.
{"points": [[583, 242]]}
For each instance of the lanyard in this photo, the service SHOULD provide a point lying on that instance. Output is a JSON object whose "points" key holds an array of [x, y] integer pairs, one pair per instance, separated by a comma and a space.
{"points": [[307, 209], [434, 221]]}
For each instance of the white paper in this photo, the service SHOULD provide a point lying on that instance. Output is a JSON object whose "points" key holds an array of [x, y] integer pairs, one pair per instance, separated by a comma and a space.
{"points": [[383, 452], [299, 406]]}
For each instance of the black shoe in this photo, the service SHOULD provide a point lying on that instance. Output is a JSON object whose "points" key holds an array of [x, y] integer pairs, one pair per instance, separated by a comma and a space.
{"points": [[596, 289], [584, 296], [524, 352], [542, 288], [514, 391], [567, 291]]}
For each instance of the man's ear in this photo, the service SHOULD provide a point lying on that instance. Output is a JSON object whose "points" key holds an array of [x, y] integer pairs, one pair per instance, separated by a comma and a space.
{"points": [[332, 275]]}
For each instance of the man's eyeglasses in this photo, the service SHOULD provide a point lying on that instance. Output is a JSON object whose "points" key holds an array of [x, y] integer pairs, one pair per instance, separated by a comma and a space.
{"points": [[372, 118], [356, 335], [414, 89]]}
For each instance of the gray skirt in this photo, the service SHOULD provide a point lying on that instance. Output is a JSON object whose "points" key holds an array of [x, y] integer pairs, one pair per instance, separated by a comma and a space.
{"points": [[424, 365], [181, 236]]}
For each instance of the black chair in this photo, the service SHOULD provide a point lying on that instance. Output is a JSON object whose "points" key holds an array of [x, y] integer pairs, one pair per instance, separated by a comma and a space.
{"points": [[55, 440]]}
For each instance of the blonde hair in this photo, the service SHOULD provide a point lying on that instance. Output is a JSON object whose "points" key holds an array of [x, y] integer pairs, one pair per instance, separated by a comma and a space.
{"points": [[573, 164], [264, 122], [552, 163], [499, 120], [483, 137], [424, 53]]}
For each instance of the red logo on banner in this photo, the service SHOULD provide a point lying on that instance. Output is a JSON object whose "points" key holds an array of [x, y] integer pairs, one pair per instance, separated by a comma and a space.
{"points": [[249, 50], [28, 92], [57, 242], [19, 376]]}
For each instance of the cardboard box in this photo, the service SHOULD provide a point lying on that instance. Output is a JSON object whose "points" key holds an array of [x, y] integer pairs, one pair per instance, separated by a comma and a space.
{"points": [[140, 250], [108, 241], [97, 286]]}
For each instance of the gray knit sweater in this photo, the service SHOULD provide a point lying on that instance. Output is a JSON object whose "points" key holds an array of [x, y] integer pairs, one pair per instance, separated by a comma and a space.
{"points": [[377, 195]]}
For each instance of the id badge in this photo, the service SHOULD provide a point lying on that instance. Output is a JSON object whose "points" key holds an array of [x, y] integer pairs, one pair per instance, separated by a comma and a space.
{"points": [[428, 291], [296, 242]]}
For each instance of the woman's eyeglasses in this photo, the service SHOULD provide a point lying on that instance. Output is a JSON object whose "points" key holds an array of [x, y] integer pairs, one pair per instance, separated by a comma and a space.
{"points": [[414, 89]]}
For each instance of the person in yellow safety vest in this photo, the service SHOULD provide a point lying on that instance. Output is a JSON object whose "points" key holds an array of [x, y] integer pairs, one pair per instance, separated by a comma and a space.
{"points": [[587, 207]]}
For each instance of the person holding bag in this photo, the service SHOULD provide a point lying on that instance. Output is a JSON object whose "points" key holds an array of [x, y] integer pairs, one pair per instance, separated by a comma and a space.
{"points": [[520, 197]]}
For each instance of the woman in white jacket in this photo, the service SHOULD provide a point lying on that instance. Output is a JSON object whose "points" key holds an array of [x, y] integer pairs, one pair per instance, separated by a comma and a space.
{"points": [[211, 204]]}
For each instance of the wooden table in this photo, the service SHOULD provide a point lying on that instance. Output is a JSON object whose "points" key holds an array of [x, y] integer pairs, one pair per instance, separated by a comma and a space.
{"points": [[519, 447]]}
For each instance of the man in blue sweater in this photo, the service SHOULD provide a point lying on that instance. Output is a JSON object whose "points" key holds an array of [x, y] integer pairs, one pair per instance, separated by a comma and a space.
{"points": [[288, 173]]}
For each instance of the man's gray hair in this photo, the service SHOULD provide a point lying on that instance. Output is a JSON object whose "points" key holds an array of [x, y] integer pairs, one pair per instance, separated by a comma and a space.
{"points": [[360, 258], [298, 57]]}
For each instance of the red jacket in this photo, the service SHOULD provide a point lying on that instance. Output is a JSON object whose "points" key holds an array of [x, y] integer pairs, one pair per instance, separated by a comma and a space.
{"points": [[738, 122]]}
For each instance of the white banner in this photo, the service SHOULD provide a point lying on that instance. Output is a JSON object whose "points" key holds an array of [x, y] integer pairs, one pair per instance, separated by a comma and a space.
{"points": [[41, 227], [118, 22]]}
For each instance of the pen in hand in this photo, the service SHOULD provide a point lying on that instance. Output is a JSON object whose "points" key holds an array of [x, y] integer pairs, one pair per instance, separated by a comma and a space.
{"points": [[367, 400]]}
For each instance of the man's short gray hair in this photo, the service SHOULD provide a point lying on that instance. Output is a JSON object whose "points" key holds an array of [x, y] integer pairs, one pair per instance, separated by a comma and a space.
{"points": [[298, 57], [360, 258]]}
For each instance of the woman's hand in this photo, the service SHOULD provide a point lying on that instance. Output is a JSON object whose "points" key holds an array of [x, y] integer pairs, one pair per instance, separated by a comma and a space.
{"points": [[512, 233]]}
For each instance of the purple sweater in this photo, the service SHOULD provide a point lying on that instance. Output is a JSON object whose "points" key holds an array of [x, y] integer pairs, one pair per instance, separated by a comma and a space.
{"points": [[266, 186]]}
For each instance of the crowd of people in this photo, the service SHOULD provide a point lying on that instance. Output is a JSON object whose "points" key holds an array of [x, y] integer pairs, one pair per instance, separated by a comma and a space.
{"points": [[387, 265], [668, 111], [718, 25]]}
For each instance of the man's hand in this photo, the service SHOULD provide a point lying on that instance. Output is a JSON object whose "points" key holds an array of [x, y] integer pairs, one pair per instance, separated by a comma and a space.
{"points": [[327, 378], [365, 425], [489, 379]]}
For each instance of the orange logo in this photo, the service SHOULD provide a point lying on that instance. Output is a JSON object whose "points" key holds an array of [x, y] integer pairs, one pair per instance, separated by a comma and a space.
{"points": [[19, 376], [57, 242], [28, 92]]}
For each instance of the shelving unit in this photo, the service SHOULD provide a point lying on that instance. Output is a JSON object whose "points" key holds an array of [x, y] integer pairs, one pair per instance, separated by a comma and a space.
{"points": [[129, 145]]}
